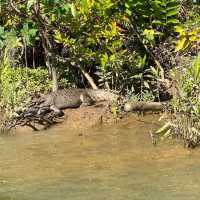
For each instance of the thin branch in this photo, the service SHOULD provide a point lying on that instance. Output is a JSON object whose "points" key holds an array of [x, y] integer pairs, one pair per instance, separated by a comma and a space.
{"points": [[89, 78], [17, 10], [134, 29]]}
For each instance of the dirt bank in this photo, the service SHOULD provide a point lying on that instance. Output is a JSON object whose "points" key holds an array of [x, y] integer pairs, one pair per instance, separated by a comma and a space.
{"points": [[87, 117], [90, 116], [84, 117]]}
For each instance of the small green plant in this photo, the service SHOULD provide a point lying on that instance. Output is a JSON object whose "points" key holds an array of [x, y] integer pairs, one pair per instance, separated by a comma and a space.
{"points": [[189, 36], [19, 83], [185, 107]]}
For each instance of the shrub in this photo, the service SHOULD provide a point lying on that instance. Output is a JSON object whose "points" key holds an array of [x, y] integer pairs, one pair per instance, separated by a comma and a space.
{"points": [[18, 83], [185, 107]]}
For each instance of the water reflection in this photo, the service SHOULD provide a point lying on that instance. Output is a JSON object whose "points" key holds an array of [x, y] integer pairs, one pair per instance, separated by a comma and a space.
{"points": [[112, 163]]}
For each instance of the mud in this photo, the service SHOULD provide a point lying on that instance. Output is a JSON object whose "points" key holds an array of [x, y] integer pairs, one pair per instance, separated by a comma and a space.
{"points": [[84, 117], [91, 116]]}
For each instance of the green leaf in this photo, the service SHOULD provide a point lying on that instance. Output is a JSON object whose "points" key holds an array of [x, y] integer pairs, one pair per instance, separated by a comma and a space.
{"points": [[66, 7], [85, 5], [2, 33], [172, 21], [172, 13], [157, 22], [129, 12], [33, 32], [73, 10], [30, 3]]}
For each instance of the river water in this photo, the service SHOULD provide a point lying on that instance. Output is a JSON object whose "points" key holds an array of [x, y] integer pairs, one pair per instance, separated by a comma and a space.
{"points": [[117, 162]]}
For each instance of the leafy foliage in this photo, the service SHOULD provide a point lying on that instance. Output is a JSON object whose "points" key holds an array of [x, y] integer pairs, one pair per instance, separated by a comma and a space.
{"points": [[18, 84], [185, 107], [93, 34], [188, 89], [160, 15], [189, 36], [113, 42]]}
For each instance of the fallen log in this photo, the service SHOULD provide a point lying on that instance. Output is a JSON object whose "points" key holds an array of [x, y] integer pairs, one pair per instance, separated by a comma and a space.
{"points": [[142, 106]]}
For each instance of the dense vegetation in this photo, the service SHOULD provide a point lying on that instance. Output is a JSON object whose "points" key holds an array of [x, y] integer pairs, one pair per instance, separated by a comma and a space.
{"points": [[139, 48]]}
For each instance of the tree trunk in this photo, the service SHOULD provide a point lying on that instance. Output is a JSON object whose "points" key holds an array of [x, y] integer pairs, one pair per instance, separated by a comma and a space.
{"points": [[54, 79], [33, 51], [50, 59], [25, 54]]}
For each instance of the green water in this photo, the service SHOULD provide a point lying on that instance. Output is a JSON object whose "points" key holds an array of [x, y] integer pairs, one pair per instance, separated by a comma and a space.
{"points": [[112, 163]]}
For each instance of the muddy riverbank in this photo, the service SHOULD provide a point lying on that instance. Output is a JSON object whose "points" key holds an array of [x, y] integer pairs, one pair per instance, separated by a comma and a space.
{"points": [[85, 117]]}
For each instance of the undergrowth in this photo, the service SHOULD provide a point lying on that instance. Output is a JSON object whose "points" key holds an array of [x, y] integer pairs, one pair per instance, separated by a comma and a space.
{"points": [[184, 112]]}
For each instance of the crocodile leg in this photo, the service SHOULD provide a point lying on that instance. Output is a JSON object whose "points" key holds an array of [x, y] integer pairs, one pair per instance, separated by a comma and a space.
{"points": [[86, 100], [57, 111]]}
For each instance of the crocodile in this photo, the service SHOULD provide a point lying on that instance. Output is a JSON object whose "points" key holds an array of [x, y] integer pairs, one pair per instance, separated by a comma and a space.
{"points": [[45, 109], [68, 98]]}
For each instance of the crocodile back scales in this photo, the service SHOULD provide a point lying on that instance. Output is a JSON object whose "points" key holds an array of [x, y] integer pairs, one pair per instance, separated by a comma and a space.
{"points": [[71, 98]]}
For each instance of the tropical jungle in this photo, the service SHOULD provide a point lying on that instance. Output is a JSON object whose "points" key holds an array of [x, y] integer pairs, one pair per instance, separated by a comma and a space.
{"points": [[99, 99], [146, 50]]}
